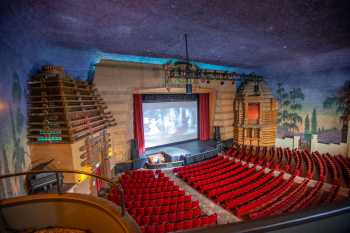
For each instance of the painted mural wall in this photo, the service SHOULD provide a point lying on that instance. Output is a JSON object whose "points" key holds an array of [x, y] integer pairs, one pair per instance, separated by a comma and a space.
{"points": [[314, 105], [13, 153]]}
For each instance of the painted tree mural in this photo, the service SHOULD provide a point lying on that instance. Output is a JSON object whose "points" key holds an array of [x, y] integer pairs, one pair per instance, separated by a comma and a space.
{"points": [[307, 133], [12, 147], [282, 98], [340, 102], [314, 122], [290, 104], [17, 123]]}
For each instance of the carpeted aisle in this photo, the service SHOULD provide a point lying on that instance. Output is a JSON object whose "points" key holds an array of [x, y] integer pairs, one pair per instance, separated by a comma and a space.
{"points": [[208, 206]]}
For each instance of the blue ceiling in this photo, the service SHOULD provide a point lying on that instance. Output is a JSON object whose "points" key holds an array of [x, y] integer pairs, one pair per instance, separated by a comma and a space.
{"points": [[265, 36]]}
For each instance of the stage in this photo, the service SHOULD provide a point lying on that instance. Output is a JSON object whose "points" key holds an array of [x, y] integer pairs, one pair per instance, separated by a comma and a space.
{"points": [[179, 154], [188, 152]]}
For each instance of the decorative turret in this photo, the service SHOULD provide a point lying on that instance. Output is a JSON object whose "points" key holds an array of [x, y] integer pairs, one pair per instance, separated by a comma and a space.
{"points": [[67, 122], [63, 110], [255, 113]]}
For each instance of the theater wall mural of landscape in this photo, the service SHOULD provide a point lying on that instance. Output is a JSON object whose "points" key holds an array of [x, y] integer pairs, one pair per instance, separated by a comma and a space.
{"points": [[13, 151], [313, 104]]}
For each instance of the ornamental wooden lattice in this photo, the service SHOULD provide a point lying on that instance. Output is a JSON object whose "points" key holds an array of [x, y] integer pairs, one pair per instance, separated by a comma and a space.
{"points": [[64, 110]]}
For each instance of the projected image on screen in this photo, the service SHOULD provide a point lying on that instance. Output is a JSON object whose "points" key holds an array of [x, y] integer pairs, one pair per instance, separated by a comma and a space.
{"points": [[169, 122]]}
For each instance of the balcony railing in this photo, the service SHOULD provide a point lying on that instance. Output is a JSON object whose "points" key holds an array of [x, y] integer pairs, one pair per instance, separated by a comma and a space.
{"points": [[59, 189]]}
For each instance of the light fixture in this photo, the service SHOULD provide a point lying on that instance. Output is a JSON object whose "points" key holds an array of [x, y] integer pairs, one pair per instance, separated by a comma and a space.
{"points": [[186, 71]]}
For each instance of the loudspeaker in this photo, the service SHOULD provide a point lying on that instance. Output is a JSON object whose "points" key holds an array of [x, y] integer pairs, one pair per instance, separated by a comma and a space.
{"points": [[133, 149], [217, 136], [137, 161]]}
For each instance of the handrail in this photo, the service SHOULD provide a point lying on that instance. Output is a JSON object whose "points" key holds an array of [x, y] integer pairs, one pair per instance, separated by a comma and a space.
{"points": [[58, 171], [278, 223]]}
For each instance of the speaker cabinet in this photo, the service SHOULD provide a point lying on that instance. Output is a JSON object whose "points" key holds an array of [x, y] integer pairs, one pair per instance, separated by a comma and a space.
{"points": [[217, 136]]}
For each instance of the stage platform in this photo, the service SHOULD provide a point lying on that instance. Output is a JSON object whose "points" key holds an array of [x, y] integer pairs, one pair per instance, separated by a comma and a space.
{"points": [[188, 152], [178, 154]]}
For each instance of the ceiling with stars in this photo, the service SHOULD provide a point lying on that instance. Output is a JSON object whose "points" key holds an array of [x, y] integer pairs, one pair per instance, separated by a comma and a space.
{"points": [[262, 35]]}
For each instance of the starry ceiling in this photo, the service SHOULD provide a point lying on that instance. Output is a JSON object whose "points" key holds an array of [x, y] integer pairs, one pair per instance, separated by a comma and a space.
{"points": [[257, 34]]}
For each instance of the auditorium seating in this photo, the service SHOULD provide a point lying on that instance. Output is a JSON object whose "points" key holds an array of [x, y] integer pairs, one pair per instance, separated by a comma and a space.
{"points": [[251, 182], [345, 167], [158, 205], [328, 168], [240, 182], [264, 200]]}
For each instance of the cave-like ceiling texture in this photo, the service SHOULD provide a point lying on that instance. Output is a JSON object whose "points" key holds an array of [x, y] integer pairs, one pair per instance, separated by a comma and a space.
{"points": [[242, 33]]}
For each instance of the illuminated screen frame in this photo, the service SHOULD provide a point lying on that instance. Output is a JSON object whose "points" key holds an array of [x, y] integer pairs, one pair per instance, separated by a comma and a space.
{"points": [[168, 98]]}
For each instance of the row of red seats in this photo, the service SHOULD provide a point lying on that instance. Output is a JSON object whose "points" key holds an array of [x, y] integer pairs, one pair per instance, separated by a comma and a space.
{"points": [[346, 161], [234, 169], [152, 196], [195, 166], [220, 163], [254, 194], [232, 152], [322, 172], [160, 202], [275, 194], [217, 170], [131, 180], [309, 164], [168, 217], [246, 188], [148, 185], [166, 188], [156, 210], [243, 174], [237, 180], [139, 178], [211, 183], [282, 204], [140, 173], [234, 202], [213, 173], [308, 199], [179, 226], [154, 207], [345, 167], [194, 179], [334, 170], [331, 195], [295, 199], [224, 193], [296, 161], [203, 165]]}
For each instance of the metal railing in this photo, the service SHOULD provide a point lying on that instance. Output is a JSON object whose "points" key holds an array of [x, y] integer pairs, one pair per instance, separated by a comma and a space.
{"points": [[62, 171]]}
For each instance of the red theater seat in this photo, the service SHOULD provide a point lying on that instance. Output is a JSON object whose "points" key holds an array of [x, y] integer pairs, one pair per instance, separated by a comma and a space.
{"points": [[253, 193], [157, 204]]}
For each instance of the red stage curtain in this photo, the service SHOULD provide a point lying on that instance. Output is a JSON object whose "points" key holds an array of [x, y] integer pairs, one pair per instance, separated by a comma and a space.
{"points": [[138, 123], [203, 117]]}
